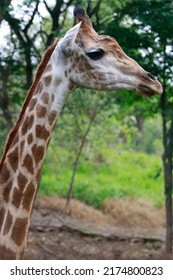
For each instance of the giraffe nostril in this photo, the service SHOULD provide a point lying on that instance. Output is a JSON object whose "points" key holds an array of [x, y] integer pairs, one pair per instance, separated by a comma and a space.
{"points": [[151, 76]]}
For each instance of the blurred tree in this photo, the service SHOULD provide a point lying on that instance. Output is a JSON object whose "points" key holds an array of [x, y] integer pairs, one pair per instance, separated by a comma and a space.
{"points": [[4, 97], [21, 31], [147, 28]]}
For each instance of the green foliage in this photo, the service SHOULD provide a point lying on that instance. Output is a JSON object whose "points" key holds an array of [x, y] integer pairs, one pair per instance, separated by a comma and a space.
{"points": [[3, 134], [105, 174], [151, 142]]}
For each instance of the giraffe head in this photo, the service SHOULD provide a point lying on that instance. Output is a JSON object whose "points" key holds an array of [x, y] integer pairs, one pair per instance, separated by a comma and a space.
{"points": [[98, 62]]}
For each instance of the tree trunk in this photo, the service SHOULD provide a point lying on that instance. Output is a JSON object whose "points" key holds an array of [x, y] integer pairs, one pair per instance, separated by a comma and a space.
{"points": [[167, 167], [139, 122], [4, 98], [140, 127], [29, 66], [169, 222], [78, 155]]}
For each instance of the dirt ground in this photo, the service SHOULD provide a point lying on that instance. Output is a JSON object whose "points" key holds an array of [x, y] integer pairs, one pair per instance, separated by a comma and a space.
{"points": [[124, 229]]}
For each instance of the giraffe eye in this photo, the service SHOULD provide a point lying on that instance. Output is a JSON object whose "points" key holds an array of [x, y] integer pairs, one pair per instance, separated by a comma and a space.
{"points": [[95, 54]]}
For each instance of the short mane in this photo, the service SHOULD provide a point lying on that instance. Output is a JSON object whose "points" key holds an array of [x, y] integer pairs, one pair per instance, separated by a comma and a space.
{"points": [[45, 59]]}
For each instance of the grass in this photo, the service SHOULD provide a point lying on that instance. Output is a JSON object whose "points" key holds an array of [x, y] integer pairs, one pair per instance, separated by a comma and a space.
{"points": [[116, 175]]}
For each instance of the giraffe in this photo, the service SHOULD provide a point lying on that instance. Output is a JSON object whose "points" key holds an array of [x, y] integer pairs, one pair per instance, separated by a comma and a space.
{"points": [[82, 58]]}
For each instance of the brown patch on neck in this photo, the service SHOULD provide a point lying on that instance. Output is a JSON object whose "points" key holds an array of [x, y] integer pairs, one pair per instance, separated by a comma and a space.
{"points": [[22, 181], [6, 254], [16, 200], [2, 214], [14, 158], [33, 88], [19, 230], [8, 223], [42, 132], [4, 174], [28, 196], [28, 163], [38, 152], [6, 193]]}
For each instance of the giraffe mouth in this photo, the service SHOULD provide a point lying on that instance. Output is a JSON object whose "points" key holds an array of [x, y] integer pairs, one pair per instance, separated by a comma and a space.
{"points": [[149, 85], [147, 90]]}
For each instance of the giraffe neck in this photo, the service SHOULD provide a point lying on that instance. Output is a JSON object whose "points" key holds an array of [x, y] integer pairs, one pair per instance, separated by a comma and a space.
{"points": [[23, 161]]}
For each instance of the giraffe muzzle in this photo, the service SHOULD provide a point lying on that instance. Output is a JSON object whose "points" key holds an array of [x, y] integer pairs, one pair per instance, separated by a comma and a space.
{"points": [[149, 85]]}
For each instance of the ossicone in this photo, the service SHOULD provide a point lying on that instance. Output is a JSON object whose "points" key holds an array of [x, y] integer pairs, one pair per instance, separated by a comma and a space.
{"points": [[80, 15], [78, 10]]}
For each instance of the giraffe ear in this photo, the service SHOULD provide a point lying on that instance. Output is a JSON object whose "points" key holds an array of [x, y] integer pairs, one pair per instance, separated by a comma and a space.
{"points": [[68, 41]]}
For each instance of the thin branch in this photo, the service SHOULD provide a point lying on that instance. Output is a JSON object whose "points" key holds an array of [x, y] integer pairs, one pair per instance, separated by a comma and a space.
{"points": [[31, 19], [14, 24], [47, 7], [76, 163], [95, 10], [3, 6], [13, 41]]}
